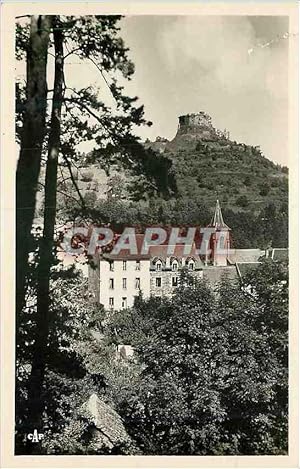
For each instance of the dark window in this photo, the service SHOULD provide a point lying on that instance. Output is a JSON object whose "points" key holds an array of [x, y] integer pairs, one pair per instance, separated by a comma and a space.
{"points": [[111, 266], [137, 283], [124, 265], [124, 283], [111, 283], [158, 282], [174, 281]]}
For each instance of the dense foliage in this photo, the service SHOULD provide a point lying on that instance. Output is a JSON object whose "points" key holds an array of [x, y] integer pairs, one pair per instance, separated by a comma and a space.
{"points": [[214, 377], [209, 374]]}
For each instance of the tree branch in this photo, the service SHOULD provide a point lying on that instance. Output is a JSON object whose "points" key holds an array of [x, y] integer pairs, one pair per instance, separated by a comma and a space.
{"points": [[74, 182], [103, 76], [84, 106], [71, 52]]}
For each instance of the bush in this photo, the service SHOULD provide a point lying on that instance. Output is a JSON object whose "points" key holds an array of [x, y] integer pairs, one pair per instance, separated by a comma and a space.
{"points": [[247, 181], [264, 190], [90, 199], [87, 176], [275, 182], [242, 201]]}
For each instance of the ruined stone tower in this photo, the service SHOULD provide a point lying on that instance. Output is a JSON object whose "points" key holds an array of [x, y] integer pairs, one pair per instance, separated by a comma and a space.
{"points": [[193, 128], [196, 123]]}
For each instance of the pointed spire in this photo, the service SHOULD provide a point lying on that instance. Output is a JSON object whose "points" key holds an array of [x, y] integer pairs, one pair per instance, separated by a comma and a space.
{"points": [[217, 220]]}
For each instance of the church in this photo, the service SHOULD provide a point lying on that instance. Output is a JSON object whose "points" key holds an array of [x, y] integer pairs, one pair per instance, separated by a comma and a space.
{"points": [[115, 280]]}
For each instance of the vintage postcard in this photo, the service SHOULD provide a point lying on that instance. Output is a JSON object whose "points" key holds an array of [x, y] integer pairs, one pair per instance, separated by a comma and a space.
{"points": [[149, 205]]}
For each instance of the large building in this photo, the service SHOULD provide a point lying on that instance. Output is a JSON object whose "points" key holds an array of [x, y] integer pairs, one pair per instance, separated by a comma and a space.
{"points": [[116, 280]]}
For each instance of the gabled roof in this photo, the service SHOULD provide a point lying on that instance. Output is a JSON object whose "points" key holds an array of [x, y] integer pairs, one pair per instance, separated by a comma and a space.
{"points": [[244, 255], [160, 251], [105, 419], [280, 254], [125, 254], [178, 250], [214, 274]]}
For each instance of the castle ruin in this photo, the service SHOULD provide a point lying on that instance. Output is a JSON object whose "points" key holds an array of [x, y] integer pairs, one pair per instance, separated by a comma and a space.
{"points": [[195, 127], [190, 122], [192, 128]]}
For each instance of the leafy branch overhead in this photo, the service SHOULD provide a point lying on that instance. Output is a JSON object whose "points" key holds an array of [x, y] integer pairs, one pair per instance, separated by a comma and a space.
{"points": [[104, 116]]}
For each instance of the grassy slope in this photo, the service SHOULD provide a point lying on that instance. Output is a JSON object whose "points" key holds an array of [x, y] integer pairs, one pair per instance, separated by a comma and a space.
{"points": [[229, 171]]}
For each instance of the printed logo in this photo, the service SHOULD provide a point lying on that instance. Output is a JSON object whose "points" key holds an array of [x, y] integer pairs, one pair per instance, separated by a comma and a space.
{"points": [[35, 437]]}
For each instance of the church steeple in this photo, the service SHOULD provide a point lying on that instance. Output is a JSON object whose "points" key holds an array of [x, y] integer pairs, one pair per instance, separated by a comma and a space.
{"points": [[217, 219], [220, 239]]}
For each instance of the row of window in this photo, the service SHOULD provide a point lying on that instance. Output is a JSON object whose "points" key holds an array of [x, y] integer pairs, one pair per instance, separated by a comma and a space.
{"points": [[124, 283], [138, 283], [124, 266], [123, 303], [174, 266], [158, 265], [174, 282], [158, 283]]}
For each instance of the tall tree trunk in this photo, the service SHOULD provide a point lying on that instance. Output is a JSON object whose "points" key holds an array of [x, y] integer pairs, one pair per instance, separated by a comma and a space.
{"points": [[33, 133], [36, 401]]}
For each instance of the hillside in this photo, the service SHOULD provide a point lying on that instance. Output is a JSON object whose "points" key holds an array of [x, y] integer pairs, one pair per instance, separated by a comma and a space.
{"points": [[208, 164]]}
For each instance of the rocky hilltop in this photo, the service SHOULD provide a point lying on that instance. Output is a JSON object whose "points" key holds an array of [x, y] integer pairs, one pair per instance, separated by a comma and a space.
{"points": [[207, 163], [193, 128]]}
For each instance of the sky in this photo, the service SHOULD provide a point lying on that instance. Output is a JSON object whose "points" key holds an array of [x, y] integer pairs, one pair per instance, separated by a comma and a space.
{"points": [[235, 68]]}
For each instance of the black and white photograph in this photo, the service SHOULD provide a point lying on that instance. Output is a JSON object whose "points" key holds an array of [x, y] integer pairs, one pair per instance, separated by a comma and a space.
{"points": [[151, 179]]}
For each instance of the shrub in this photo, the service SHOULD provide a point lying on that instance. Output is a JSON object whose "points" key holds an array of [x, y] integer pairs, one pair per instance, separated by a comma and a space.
{"points": [[242, 201], [87, 176], [264, 190], [90, 198]]}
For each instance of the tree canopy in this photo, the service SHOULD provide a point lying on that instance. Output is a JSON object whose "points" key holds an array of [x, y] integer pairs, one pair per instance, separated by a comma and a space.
{"points": [[214, 370]]}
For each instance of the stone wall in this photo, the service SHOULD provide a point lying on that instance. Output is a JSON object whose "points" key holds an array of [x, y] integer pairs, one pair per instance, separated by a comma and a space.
{"points": [[166, 276], [199, 119], [191, 129]]}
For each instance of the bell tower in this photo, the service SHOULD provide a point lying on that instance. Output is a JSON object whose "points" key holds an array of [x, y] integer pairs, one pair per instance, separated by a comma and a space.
{"points": [[220, 239]]}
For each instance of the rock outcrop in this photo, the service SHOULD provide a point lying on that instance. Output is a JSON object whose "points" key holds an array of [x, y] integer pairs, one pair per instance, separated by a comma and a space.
{"points": [[106, 425], [193, 128]]}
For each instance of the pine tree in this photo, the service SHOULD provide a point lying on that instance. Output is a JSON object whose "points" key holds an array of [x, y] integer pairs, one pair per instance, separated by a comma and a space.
{"points": [[77, 115]]}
